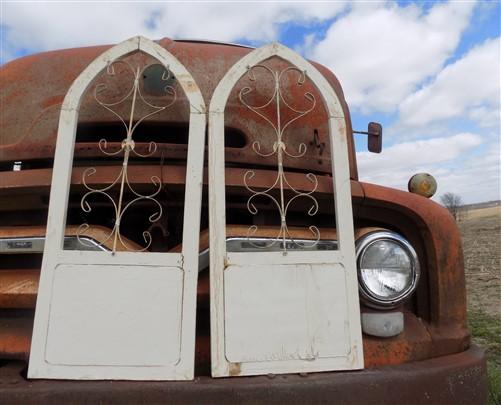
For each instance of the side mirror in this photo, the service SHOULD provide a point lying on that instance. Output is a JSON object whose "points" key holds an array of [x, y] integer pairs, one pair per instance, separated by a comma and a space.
{"points": [[375, 137]]}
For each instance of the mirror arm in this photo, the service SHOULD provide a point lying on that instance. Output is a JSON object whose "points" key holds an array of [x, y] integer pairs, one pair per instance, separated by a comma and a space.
{"points": [[375, 137]]}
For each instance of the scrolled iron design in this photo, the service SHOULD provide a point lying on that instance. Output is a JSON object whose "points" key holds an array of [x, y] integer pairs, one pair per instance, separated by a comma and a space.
{"points": [[279, 149], [128, 147]]}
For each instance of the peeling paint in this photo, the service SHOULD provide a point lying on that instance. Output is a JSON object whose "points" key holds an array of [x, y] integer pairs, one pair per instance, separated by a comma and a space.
{"points": [[235, 369]]}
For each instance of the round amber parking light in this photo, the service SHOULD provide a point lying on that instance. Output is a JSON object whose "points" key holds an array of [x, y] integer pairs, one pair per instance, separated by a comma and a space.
{"points": [[423, 184]]}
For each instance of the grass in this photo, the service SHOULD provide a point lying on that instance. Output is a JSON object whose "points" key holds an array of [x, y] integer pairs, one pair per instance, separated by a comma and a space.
{"points": [[481, 231], [486, 331]]}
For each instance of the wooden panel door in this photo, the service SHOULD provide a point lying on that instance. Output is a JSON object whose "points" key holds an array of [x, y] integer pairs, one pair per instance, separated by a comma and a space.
{"points": [[123, 312], [276, 309]]}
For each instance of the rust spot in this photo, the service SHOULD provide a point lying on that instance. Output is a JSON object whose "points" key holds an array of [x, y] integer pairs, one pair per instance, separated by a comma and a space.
{"points": [[44, 79], [192, 87], [235, 369], [51, 101]]}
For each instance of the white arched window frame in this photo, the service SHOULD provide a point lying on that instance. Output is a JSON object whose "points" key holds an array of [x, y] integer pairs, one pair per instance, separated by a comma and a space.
{"points": [[123, 314], [245, 286]]}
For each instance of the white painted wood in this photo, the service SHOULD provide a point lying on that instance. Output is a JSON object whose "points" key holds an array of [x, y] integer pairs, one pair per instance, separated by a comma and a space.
{"points": [[299, 298], [276, 313], [130, 315], [292, 257], [114, 329]]}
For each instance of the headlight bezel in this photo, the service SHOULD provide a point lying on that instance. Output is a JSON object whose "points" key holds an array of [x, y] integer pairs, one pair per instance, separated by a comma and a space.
{"points": [[369, 297]]}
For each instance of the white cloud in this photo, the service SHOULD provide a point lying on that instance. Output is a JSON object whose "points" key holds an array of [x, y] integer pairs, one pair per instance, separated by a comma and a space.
{"points": [[45, 26], [475, 179], [441, 157], [381, 52], [469, 87], [416, 153]]}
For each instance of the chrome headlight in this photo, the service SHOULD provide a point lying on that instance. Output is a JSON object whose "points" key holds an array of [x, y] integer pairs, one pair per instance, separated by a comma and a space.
{"points": [[388, 268]]}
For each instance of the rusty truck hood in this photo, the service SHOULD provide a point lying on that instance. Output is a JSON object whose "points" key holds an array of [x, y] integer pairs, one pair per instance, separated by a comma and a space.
{"points": [[34, 87]]}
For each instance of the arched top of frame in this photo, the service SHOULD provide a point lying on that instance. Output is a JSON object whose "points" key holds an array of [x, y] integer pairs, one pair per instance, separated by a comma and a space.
{"points": [[138, 43], [222, 91]]}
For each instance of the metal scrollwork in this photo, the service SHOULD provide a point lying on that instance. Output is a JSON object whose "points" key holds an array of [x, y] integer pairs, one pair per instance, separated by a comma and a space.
{"points": [[128, 147], [277, 101]]}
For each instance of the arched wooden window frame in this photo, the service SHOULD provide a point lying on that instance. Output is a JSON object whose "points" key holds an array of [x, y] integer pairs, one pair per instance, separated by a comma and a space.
{"points": [[221, 260], [185, 262]]}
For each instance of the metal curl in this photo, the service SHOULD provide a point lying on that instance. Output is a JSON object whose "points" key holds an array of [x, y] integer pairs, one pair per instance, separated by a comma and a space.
{"points": [[155, 216], [152, 218], [169, 90], [99, 89], [301, 151], [251, 207], [308, 96], [154, 179], [81, 231], [110, 66], [127, 147], [300, 81], [280, 150], [301, 77], [86, 207], [310, 176], [252, 231], [110, 70], [256, 147], [246, 90], [146, 237], [299, 112], [252, 76], [313, 209], [249, 175], [169, 74], [152, 148], [316, 233], [90, 171], [103, 144], [254, 210]]}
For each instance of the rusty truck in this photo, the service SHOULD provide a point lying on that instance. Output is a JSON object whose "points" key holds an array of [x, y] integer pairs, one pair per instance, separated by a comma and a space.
{"points": [[266, 155]]}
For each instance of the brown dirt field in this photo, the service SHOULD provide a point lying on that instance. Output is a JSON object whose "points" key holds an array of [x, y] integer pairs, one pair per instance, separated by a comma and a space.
{"points": [[483, 212], [481, 231]]}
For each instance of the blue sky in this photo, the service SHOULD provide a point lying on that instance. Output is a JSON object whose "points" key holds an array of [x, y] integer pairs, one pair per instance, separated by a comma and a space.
{"points": [[428, 71]]}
